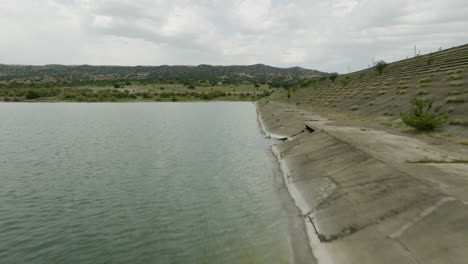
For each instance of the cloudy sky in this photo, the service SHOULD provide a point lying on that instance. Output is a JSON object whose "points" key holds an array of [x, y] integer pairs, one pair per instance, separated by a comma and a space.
{"points": [[326, 35]]}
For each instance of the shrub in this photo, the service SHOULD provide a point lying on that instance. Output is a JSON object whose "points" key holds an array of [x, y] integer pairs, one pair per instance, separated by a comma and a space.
{"points": [[380, 66], [116, 85], [31, 94], [354, 108], [423, 116], [333, 76]]}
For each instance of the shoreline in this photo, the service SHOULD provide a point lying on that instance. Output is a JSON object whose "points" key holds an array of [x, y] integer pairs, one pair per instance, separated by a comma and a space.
{"points": [[142, 101], [299, 202], [320, 253]]}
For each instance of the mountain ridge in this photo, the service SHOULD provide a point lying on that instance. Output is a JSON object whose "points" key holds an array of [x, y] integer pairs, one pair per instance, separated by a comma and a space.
{"points": [[201, 71]]}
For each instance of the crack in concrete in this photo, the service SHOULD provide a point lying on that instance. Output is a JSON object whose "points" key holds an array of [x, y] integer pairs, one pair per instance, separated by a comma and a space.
{"points": [[408, 251], [421, 216]]}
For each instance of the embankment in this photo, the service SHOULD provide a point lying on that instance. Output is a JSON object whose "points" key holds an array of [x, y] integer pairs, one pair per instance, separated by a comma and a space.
{"points": [[361, 201], [382, 96]]}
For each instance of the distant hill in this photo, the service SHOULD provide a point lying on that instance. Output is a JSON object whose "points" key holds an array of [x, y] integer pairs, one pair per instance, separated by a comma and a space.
{"points": [[51, 73]]}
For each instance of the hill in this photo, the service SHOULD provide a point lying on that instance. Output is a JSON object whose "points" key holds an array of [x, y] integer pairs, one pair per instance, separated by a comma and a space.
{"points": [[56, 73], [87, 83]]}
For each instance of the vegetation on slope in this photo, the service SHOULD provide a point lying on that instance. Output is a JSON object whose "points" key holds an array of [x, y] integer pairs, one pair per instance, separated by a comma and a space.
{"points": [[380, 96], [423, 117]]}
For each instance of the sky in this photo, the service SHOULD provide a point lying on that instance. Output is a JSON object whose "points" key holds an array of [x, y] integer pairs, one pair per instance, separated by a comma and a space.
{"points": [[327, 35]]}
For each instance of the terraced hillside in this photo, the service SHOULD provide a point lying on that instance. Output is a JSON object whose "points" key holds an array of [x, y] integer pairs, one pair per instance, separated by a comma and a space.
{"points": [[367, 93]]}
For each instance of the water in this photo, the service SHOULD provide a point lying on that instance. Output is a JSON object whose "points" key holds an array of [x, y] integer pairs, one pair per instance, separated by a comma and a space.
{"points": [[137, 183]]}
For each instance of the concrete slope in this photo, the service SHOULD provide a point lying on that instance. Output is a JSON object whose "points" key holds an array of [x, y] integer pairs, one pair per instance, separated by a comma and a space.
{"points": [[362, 201]]}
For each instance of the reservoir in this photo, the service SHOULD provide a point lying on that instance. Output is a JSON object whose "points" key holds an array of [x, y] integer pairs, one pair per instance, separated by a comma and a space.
{"points": [[137, 183]]}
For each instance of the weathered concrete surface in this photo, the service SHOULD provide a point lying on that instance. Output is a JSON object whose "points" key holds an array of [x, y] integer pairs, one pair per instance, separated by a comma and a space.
{"points": [[361, 199]]}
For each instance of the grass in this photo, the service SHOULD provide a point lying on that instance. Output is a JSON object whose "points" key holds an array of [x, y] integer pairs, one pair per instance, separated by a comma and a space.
{"points": [[381, 92], [422, 92], [454, 71], [403, 91], [458, 122], [457, 100], [457, 92], [425, 80], [392, 124], [427, 160], [422, 85], [453, 77], [456, 83]]}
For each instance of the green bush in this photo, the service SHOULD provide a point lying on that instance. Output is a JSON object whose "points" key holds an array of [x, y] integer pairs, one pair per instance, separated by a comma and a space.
{"points": [[380, 66], [31, 94], [422, 116], [333, 76]]}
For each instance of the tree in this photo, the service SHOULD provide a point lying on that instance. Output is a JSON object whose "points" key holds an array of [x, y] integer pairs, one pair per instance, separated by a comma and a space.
{"points": [[380, 66], [31, 94], [333, 76], [422, 116]]}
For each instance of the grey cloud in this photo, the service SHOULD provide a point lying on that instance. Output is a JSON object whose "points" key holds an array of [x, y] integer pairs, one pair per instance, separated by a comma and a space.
{"points": [[323, 34]]}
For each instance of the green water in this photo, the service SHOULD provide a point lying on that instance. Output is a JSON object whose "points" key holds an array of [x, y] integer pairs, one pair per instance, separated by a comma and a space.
{"points": [[137, 183]]}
